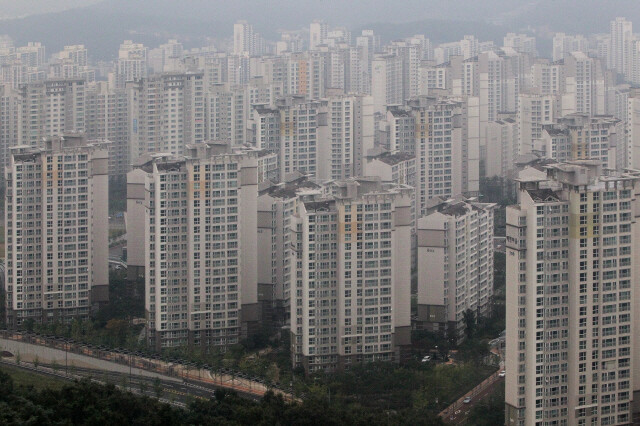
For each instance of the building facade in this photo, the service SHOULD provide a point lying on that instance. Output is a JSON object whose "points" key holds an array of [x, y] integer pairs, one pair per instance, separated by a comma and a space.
{"points": [[194, 219], [56, 231], [571, 336]]}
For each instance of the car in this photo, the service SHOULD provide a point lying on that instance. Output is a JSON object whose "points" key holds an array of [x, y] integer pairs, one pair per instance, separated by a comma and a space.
{"points": [[467, 400], [427, 358], [502, 373]]}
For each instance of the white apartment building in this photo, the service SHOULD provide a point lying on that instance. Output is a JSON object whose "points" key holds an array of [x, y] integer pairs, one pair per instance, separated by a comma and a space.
{"points": [[299, 135], [402, 130], [397, 167], [32, 55], [107, 118], [131, 64], [501, 147], [455, 264], [548, 78], [318, 31], [277, 204], [71, 63], [386, 82], [564, 44], [192, 226], [348, 136], [9, 122], [268, 168], [585, 85], [492, 76], [447, 148], [227, 114], [580, 137], [350, 289], [433, 78], [167, 112], [56, 230], [521, 43], [411, 55], [572, 325], [534, 111], [621, 32], [51, 108]]}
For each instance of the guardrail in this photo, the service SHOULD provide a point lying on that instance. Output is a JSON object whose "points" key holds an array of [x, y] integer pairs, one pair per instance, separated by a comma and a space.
{"points": [[240, 382]]}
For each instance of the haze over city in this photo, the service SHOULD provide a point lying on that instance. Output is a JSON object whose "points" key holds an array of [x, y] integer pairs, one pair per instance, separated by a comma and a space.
{"points": [[320, 212]]}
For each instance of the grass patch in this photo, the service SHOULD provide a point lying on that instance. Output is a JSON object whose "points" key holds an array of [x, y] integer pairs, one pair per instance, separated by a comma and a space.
{"points": [[28, 379]]}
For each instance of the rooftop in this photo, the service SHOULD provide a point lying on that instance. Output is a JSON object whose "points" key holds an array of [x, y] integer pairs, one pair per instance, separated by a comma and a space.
{"points": [[543, 195]]}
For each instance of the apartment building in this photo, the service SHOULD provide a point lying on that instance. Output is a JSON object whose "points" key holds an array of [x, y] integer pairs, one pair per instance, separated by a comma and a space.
{"points": [[167, 112], [580, 137], [455, 265], [192, 226], [350, 287], [51, 108], [447, 148], [571, 336], [277, 204], [56, 230]]}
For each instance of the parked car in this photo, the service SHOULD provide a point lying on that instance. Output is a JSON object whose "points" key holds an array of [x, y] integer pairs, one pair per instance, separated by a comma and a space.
{"points": [[502, 373], [467, 400], [426, 358]]}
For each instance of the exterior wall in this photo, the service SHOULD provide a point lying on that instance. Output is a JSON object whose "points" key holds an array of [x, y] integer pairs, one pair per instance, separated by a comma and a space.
{"points": [[455, 265], [56, 231], [570, 330], [200, 247], [351, 302]]}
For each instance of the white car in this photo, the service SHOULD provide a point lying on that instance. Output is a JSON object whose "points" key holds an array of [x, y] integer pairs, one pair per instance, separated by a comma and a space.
{"points": [[502, 373], [427, 358], [467, 400]]}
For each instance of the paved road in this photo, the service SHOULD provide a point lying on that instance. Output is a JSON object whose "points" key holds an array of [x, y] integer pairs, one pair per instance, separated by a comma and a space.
{"points": [[86, 357], [166, 394], [457, 412]]}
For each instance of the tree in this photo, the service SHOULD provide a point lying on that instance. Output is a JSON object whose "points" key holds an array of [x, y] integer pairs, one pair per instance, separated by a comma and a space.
{"points": [[469, 318], [29, 324], [18, 358], [489, 411], [117, 330], [36, 362], [143, 386], [157, 387]]}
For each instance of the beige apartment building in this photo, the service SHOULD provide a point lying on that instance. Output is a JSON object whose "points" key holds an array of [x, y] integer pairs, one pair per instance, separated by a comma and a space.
{"points": [[572, 304], [56, 230]]}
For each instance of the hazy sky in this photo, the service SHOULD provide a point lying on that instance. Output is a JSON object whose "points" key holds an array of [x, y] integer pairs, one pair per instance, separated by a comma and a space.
{"points": [[103, 24], [14, 8], [351, 12]]}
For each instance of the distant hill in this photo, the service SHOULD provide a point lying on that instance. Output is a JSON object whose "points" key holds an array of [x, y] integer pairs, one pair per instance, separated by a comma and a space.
{"points": [[102, 31], [103, 26]]}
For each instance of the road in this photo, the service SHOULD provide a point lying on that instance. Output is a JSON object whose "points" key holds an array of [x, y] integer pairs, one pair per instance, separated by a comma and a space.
{"points": [[118, 363], [457, 412], [136, 386]]}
